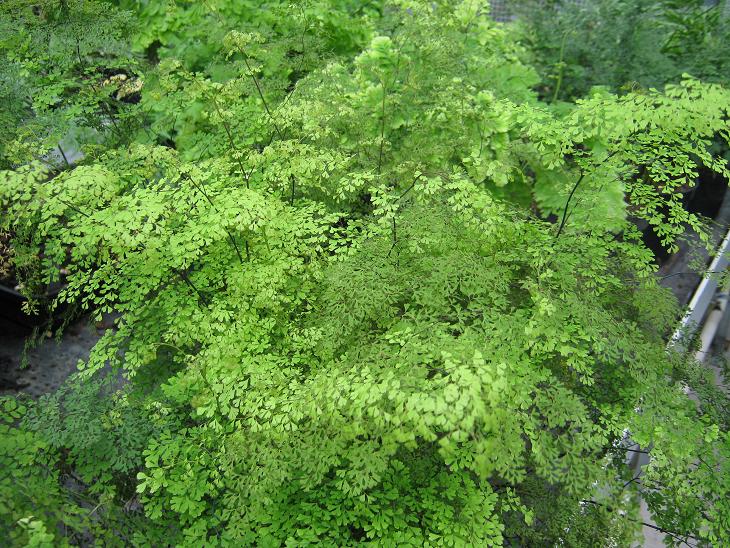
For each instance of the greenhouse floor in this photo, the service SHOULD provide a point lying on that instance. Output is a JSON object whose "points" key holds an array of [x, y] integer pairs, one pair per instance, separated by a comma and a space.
{"points": [[49, 364]]}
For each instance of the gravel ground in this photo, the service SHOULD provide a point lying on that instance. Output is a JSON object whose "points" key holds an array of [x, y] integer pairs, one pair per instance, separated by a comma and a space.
{"points": [[49, 364]]}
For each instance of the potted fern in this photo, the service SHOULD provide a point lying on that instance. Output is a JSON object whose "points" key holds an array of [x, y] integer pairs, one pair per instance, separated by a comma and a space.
{"points": [[341, 319]]}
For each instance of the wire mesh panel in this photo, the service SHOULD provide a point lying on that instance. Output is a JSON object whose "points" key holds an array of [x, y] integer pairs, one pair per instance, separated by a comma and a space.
{"points": [[501, 9]]}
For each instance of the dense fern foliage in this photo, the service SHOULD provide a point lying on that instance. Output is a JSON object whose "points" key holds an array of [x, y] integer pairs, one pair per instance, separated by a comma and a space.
{"points": [[370, 289]]}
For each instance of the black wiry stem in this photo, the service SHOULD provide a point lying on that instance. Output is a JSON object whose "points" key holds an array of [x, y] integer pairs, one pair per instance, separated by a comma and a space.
{"points": [[567, 203], [674, 534], [227, 128], [572, 192], [102, 103], [230, 236], [261, 93], [185, 278], [71, 206], [382, 130], [410, 187], [394, 227], [63, 155], [246, 59]]}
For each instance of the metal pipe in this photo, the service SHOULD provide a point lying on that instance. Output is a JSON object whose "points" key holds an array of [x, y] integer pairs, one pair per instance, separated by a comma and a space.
{"points": [[703, 297], [712, 324]]}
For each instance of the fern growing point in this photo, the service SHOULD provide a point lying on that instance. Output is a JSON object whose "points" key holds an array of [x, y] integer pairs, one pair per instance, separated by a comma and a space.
{"points": [[344, 314]]}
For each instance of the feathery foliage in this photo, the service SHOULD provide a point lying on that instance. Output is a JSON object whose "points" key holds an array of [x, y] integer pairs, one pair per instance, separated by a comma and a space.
{"points": [[344, 317]]}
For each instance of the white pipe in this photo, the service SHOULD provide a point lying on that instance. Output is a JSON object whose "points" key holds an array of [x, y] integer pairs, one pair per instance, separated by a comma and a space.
{"points": [[712, 324], [703, 296]]}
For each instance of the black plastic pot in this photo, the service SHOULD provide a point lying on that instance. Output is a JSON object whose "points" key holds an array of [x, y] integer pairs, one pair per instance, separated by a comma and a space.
{"points": [[11, 308]]}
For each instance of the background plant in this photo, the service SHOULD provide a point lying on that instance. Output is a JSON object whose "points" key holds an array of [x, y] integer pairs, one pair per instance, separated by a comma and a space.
{"points": [[66, 79], [623, 44]]}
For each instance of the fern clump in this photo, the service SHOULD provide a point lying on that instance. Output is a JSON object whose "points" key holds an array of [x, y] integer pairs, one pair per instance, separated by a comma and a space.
{"points": [[396, 300]]}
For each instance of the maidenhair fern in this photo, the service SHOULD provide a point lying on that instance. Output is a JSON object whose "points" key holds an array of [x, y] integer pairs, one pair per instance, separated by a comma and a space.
{"points": [[345, 313]]}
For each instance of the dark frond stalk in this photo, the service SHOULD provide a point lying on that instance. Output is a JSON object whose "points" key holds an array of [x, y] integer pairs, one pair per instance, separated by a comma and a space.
{"points": [[200, 189], [260, 92], [567, 203], [382, 130], [393, 235], [231, 142], [73, 207], [186, 279], [674, 534], [572, 192], [394, 225], [395, 232], [246, 60], [410, 187], [246, 175], [63, 155], [235, 245], [102, 103]]}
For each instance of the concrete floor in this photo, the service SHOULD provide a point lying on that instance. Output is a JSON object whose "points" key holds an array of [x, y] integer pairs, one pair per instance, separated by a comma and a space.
{"points": [[652, 537]]}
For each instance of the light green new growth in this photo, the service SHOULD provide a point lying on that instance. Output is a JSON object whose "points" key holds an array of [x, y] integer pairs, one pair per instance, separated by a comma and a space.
{"points": [[344, 317]]}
